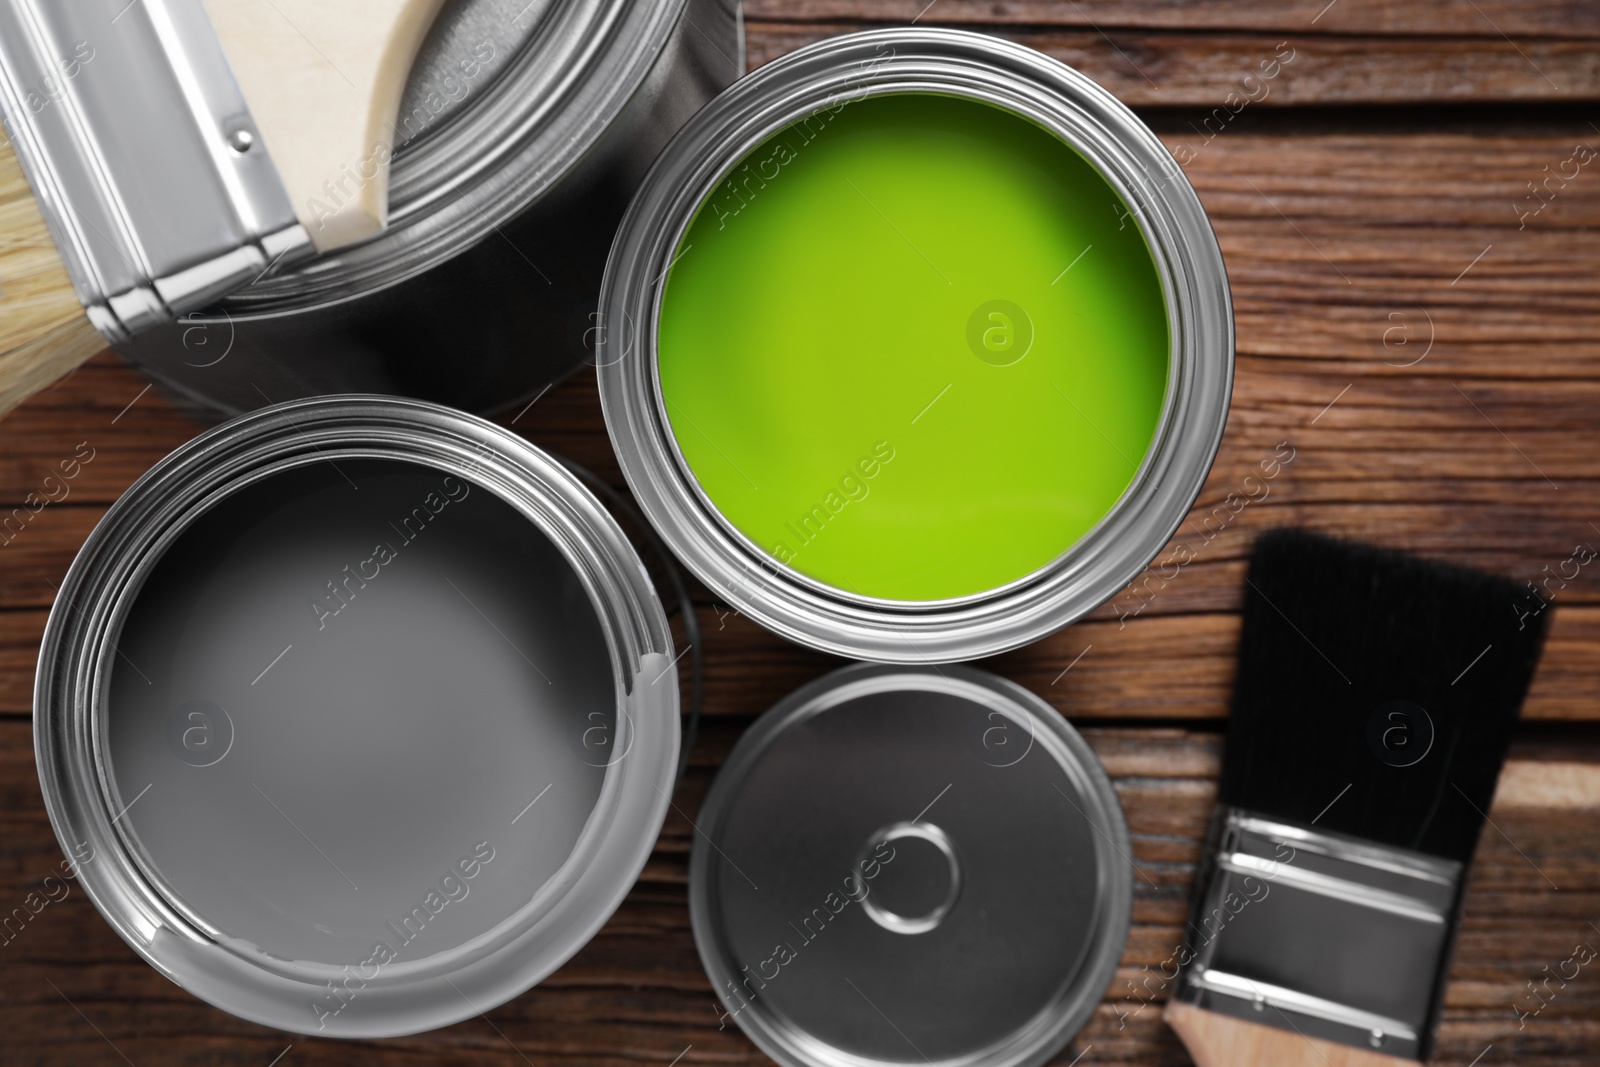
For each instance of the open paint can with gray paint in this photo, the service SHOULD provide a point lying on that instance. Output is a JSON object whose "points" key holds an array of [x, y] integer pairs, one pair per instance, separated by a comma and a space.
{"points": [[358, 716], [911, 865]]}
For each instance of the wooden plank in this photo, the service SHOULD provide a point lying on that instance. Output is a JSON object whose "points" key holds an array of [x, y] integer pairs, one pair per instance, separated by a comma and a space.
{"points": [[1181, 667], [1212, 582], [1280, 69], [86, 407], [34, 560], [1151, 666], [105, 411], [1334, 244], [1434, 18], [637, 992], [1482, 522]]}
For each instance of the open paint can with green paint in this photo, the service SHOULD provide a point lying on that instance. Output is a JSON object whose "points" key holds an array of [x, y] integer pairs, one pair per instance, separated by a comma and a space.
{"points": [[917, 345]]}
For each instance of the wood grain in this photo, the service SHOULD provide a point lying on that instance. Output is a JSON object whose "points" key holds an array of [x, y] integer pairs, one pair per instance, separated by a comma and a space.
{"points": [[1150, 67], [1424, 18]]}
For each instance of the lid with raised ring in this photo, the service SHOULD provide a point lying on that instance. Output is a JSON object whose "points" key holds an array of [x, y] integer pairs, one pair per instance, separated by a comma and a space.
{"points": [[909, 865]]}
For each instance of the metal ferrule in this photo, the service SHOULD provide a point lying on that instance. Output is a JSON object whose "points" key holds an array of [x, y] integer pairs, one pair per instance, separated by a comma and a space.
{"points": [[1326, 935], [142, 155]]}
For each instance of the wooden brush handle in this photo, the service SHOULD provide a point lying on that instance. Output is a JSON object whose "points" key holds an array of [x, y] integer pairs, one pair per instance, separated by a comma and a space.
{"points": [[1215, 1040], [323, 79]]}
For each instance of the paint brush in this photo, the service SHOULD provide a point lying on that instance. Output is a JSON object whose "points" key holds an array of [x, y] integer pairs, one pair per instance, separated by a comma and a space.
{"points": [[1375, 700], [161, 153]]}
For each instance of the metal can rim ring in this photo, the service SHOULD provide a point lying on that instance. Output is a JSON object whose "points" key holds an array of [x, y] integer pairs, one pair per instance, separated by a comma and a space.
{"points": [[832, 73], [73, 675]]}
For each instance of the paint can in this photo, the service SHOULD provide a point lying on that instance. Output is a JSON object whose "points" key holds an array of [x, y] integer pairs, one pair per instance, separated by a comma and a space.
{"points": [[524, 129], [899, 864], [357, 716], [969, 536]]}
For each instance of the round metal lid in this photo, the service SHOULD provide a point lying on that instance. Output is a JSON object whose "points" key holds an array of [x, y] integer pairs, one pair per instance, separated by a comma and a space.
{"points": [[911, 865]]}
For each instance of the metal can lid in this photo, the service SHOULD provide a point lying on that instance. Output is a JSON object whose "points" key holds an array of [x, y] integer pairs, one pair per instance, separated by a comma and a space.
{"points": [[357, 716], [909, 864]]}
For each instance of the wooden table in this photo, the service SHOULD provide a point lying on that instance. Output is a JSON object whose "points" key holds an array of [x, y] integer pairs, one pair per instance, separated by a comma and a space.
{"points": [[1420, 328]]}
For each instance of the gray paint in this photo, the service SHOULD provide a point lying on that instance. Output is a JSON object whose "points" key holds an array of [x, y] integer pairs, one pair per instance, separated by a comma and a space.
{"points": [[396, 734], [257, 790]]}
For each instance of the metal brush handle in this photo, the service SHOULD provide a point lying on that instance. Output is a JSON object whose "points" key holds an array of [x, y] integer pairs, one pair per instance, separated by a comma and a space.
{"points": [[142, 154]]}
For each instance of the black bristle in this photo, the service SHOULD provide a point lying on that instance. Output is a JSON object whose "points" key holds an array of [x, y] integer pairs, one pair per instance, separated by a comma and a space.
{"points": [[1334, 635]]}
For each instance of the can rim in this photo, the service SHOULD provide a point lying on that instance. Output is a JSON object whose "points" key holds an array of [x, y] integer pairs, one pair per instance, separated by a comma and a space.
{"points": [[1028, 1047], [71, 689], [832, 74], [580, 72]]}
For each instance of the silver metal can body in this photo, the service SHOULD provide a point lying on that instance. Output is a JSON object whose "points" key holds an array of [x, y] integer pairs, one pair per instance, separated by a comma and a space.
{"points": [[524, 130], [367, 801], [830, 75], [911, 865]]}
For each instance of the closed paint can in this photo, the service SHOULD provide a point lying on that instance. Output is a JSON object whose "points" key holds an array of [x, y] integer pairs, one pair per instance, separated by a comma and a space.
{"points": [[524, 129], [357, 716], [917, 345], [899, 864]]}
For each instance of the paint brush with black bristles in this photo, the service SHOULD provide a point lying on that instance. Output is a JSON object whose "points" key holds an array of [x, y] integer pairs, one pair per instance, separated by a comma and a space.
{"points": [[1375, 700]]}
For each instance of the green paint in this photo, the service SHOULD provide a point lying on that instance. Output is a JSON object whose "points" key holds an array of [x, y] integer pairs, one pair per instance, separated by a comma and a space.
{"points": [[889, 360]]}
